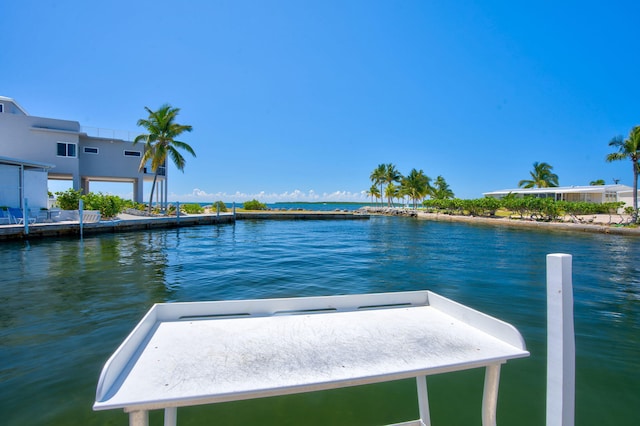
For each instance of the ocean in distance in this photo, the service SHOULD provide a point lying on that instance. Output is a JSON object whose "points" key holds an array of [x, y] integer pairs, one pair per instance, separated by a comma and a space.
{"points": [[66, 305]]}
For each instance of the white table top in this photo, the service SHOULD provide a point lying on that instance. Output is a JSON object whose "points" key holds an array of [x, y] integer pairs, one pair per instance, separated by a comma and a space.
{"points": [[186, 361]]}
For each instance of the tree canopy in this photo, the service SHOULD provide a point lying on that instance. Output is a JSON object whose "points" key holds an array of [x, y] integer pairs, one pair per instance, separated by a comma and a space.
{"points": [[160, 141], [541, 177], [628, 149]]}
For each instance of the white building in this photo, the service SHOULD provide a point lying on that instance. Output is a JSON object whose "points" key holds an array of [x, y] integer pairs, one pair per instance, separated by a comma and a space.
{"points": [[591, 194], [62, 150]]}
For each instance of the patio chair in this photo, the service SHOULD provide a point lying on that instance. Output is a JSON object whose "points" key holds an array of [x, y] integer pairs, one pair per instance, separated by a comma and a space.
{"points": [[91, 216], [5, 219], [18, 217]]}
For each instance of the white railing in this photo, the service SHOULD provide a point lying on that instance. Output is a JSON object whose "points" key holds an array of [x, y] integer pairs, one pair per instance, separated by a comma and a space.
{"points": [[98, 132]]}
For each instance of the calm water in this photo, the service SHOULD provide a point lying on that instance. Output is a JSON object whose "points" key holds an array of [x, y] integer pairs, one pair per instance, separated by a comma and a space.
{"points": [[65, 305]]}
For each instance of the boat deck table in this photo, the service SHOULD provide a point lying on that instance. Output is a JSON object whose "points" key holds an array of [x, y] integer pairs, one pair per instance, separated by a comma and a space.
{"points": [[183, 354]]}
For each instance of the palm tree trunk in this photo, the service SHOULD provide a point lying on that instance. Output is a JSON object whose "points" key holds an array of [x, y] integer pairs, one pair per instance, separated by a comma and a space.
{"points": [[635, 191], [153, 187]]}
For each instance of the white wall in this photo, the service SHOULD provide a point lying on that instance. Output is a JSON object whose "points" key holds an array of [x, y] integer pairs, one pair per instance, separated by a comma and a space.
{"points": [[627, 197], [9, 185], [36, 189]]}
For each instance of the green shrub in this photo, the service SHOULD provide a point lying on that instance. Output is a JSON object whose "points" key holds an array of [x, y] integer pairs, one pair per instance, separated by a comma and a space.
{"points": [[254, 205], [192, 208], [219, 205], [69, 199], [109, 205]]}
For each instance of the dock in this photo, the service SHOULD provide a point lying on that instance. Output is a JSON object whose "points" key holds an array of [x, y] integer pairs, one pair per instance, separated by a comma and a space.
{"points": [[127, 222]]}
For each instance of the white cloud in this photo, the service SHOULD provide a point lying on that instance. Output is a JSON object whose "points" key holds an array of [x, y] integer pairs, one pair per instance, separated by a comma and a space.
{"points": [[200, 196]]}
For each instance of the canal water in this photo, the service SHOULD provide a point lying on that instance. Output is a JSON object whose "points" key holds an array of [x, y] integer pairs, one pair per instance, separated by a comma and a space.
{"points": [[66, 304]]}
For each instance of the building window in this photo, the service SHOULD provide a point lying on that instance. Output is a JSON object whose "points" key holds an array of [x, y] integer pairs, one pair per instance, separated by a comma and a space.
{"points": [[90, 150], [1, 108], [66, 149], [132, 153]]}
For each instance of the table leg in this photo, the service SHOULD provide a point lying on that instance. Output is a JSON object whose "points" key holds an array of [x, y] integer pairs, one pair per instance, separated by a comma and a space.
{"points": [[170, 416], [139, 418], [490, 395], [423, 400]]}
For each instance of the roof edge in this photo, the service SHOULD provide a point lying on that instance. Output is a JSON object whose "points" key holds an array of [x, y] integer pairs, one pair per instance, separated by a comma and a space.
{"points": [[13, 101]]}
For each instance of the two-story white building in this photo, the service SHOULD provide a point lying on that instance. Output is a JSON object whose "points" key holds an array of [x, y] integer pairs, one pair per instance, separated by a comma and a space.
{"points": [[35, 149]]}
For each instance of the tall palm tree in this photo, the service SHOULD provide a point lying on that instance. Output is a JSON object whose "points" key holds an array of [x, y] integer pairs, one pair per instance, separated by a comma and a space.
{"points": [[377, 176], [441, 190], [629, 149], [391, 176], [160, 141], [416, 185], [541, 177]]}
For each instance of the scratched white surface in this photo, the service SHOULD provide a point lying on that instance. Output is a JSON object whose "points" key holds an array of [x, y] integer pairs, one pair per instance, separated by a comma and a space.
{"points": [[241, 357]]}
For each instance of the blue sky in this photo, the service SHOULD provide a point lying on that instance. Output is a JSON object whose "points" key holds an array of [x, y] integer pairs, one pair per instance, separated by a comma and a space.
{"points": [[301, 100]]}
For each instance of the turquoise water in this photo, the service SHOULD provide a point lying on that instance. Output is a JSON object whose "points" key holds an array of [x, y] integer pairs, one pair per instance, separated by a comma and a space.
{"points": [[65, 305]]}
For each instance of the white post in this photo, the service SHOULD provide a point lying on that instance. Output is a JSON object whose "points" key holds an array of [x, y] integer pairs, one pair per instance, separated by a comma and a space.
{"points": [[561, 346], [25, 216], [80, 214]]}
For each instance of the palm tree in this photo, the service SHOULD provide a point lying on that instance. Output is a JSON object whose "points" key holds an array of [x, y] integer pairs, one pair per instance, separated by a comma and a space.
{"points": [[629, 149], [416, 185], [391, 175], [541, 177], [374, 192], [391, 191], [441, 190], [377, 177], [160, 141]]}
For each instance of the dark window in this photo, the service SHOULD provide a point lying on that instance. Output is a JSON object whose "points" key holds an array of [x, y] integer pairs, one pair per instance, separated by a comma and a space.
{"points": [[1, 108], [132, 153], [90, 150], [66, 149]]}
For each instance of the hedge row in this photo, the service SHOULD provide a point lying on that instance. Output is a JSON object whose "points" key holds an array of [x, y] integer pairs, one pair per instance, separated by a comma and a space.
{"points": [[530, 207]]}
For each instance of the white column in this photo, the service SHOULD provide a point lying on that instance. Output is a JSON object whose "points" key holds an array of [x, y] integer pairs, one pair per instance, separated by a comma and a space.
{"points": [[561, 347]]}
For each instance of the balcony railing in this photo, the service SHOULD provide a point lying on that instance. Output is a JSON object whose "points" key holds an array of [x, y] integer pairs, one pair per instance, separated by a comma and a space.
{"points": [[147, 170], [98, 132]]}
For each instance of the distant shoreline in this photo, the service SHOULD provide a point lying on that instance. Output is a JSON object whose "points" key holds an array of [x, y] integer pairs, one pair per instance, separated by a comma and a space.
{"points": [[599, 223]]}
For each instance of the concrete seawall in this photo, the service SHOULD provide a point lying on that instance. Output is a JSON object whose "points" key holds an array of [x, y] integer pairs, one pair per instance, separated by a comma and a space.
{"points": [[127, 223], [300, 215]]}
